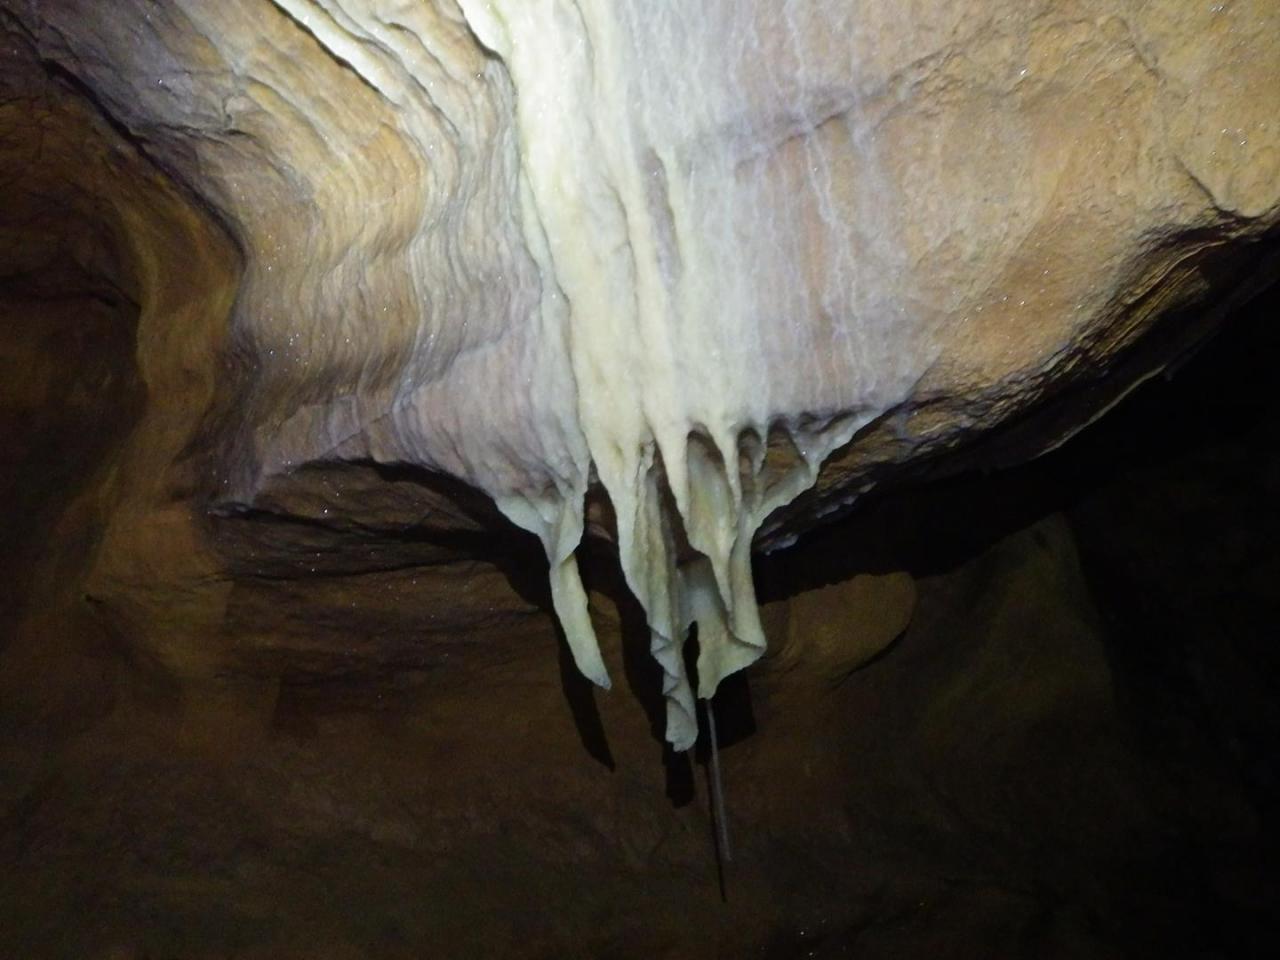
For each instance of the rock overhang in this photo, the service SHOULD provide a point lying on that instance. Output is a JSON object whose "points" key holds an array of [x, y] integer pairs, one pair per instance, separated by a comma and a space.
{"points": [[686, 252]]}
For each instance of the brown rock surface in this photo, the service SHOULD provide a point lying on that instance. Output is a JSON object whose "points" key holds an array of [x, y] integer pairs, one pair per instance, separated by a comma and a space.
{"points": [[276, 332], [1048, 182]]}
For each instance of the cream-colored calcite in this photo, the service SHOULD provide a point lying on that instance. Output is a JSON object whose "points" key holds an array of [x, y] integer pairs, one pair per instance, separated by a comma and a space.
{"points": [[714, 291], [684, 248], [751, 240]]}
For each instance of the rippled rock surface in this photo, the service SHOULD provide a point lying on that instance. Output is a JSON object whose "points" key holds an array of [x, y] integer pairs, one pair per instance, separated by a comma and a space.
{"points": [[684, 251], [314, 311]]}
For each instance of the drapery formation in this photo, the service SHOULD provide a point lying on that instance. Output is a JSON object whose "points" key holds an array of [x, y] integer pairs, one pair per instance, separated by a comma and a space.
{"points": [[682, 250]]}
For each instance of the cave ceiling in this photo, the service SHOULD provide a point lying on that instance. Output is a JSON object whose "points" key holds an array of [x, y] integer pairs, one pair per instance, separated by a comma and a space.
{"points": [[665, 281]]}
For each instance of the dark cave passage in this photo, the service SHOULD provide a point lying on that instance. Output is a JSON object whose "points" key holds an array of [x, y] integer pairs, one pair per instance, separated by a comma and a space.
{"points": [[68, 321]]}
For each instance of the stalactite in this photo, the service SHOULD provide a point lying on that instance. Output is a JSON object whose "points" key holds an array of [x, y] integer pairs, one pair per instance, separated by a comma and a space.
{"points": [[646, 206]]}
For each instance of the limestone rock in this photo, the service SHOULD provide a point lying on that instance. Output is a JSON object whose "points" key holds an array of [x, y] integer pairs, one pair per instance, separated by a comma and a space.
{"points": [[682, 251], [834, 629]]}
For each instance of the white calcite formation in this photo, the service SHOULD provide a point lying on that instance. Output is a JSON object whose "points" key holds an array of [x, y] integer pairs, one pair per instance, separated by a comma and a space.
{"points": [[684, 181], [684, 248]]}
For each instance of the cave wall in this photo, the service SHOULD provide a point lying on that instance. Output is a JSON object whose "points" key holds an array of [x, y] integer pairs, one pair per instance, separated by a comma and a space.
{"points": [[682, 254], [305, 303], [1066, 752]]}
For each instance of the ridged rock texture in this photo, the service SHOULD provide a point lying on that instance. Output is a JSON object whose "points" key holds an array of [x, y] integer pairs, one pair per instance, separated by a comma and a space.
{"points": [[309, 304], [684, 250]]}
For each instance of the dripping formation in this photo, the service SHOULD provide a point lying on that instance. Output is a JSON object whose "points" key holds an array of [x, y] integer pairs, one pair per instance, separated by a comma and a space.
{"points": [[669, 288], [684, 250], [689, 559], [298, 290]]}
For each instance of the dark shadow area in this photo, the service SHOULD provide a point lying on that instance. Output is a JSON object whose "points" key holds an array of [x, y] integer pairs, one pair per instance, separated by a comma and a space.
{"points": [[301, 530], [928, 528], [301, 525], [1173, 502], [994, 471], [602, 574], [1170, 501], [69, 395], [724, 719], [580, 694], [735, 717], [70, 390]]}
